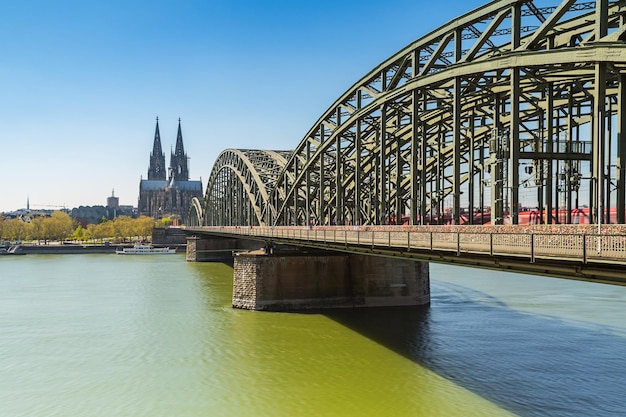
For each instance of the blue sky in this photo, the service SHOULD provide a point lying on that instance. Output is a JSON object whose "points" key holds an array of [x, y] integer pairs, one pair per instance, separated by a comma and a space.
{"points": [[81, 82]]}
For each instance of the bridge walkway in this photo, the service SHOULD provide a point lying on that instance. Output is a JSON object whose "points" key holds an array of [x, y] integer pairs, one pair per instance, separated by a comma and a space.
{"points": [[566, 254]]}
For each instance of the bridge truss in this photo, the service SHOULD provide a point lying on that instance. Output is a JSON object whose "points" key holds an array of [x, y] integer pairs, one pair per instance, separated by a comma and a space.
{"points": [[238, 191], [514, 104]]}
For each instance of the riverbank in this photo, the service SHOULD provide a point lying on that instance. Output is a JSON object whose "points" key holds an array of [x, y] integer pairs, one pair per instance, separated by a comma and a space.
{"points": [[77, 249]]}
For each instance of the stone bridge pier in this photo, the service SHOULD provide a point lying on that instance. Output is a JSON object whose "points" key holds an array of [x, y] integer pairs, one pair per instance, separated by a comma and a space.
{"points": [[290, 282], [290, 279], [216, 248]]}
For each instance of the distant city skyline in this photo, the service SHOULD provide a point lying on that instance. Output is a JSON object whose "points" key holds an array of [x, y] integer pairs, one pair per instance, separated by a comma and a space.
{"points": [[82, 83]]}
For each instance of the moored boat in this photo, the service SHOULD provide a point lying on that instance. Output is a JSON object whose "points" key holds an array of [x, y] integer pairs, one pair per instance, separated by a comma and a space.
{"points": [[12, 250], [144, 250]]}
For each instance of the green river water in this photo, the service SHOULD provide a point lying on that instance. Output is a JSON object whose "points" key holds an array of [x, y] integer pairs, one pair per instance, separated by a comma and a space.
{"points": [[105, 335]]}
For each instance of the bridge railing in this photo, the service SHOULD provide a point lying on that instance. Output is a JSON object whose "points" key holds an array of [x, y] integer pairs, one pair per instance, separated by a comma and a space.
{"points": [[608, 248]]}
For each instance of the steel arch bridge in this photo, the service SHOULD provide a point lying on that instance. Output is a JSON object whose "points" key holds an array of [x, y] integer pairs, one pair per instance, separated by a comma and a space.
{"points": [[239, 188], [515, 104]]}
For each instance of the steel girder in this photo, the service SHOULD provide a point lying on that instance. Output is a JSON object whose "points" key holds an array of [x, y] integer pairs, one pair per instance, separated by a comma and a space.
{"points": [[511, 98], [240, 185], [515, 96]]}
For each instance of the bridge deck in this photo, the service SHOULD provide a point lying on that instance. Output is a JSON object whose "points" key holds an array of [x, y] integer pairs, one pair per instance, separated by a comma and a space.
{"points": [[565, 252]]}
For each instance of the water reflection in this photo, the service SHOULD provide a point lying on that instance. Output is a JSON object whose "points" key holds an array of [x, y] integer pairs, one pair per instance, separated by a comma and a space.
{"points": [[528, 364]]}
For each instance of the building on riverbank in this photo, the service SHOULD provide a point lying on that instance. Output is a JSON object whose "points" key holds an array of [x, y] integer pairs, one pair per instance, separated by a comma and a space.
{"points": [[166, 194]]}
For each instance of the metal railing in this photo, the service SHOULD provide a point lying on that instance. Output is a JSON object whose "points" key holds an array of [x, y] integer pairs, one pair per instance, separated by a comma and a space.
{"points": [[583, 247]]}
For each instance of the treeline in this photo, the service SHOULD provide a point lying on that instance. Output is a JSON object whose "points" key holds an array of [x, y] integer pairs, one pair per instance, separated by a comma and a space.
{"points": [[60, 226]]}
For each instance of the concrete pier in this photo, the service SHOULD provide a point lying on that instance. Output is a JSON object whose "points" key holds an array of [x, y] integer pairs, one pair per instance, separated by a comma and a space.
{"points": [[216, 248], [289, 282]]}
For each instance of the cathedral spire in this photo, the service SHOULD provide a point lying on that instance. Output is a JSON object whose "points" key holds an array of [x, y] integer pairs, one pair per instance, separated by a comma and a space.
{"points": [[180, 150], [156, 148], [178, 161], [156, 171]]}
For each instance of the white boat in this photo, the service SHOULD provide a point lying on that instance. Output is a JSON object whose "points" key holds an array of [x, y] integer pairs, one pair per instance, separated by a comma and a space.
{"points": [[144, 250], [12, 250]]}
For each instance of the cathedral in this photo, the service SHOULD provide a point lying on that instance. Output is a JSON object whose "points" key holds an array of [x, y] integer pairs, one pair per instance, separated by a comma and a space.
{"points": [[167, 192]]}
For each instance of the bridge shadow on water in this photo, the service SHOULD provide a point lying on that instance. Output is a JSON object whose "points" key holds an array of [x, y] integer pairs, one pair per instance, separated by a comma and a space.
{"points": [[530, 365]]}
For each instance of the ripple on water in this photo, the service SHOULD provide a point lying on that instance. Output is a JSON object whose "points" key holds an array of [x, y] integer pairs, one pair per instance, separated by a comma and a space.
{"points": [[114, 336]]}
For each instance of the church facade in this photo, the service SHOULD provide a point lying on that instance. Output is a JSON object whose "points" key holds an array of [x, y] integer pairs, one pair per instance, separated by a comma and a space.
{"points": [[167, 192]]}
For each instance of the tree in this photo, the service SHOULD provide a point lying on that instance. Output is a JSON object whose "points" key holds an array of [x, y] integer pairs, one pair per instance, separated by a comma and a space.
{"points": [[15, 229], [164, 222], [91, 232], [144, 226], [105, 229], [79, 233], [60, 225], [37, 228]]}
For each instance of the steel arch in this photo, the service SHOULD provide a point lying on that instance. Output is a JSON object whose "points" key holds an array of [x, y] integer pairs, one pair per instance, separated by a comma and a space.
{"points": [[512, 95], [239, 187], [196, 213]]}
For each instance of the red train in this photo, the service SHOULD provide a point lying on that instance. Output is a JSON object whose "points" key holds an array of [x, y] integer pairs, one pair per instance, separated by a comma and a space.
{"points": [[579, 216]]}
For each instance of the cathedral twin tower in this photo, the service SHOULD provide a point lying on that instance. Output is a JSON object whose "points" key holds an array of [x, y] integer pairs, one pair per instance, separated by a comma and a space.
{"points": [[168, 193], [178, 161]]}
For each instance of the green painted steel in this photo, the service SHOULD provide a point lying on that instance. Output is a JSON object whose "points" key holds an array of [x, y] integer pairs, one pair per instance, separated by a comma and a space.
{"points": [[511, 106]]}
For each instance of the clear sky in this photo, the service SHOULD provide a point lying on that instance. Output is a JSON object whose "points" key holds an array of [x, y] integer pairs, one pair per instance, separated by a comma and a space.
{"points": [[82, 82]]}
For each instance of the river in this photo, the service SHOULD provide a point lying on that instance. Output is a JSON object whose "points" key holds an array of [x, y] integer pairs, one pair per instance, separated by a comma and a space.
{"points": [[106, 335]]}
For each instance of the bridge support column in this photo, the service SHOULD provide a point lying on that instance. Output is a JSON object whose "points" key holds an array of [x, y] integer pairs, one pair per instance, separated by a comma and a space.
{"points": [[212, 249], [191, 254], [286, 282]]}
